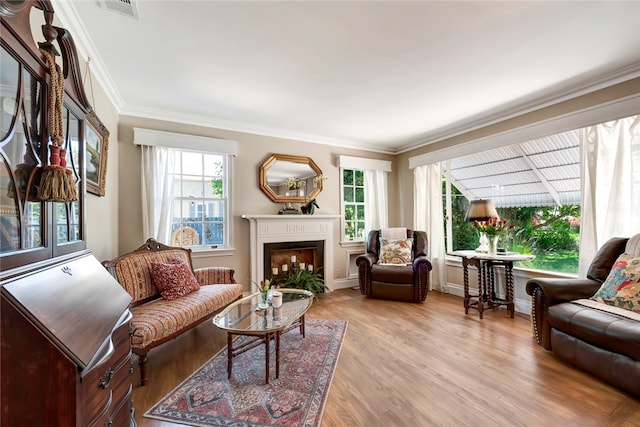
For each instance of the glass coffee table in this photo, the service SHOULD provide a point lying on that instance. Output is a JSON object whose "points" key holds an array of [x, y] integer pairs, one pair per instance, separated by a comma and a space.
{"points": [[244, 318]]}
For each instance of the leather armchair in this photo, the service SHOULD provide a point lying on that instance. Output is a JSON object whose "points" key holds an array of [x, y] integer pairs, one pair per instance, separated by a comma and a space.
{"points": [[403, 283]]}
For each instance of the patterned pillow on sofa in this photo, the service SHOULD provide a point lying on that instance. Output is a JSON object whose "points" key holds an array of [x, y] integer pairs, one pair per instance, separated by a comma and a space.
{"points": [[395, 252], [622, 286], [173, 280]]}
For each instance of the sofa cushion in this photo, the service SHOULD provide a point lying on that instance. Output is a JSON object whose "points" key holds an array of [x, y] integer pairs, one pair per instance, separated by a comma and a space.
{"points": [[174, 279], [396, 252], [160, 319], [605, 257], [134, 272], [392, 273], [622, 286], [599, 328]]}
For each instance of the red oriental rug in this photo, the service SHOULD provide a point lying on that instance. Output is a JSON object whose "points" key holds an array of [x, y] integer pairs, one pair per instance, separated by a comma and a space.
{"points": [[207, 398]]}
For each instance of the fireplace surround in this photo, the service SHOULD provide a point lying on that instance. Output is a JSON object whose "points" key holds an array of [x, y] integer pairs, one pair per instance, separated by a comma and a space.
{"points": [[300, 230]]}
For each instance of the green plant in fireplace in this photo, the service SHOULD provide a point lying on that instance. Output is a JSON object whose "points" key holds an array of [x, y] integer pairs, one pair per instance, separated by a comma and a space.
{"points": [[308, 280]]}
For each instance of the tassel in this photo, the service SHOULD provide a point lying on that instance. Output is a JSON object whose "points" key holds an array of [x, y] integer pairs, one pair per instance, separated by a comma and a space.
{"points": [[56, 184]]}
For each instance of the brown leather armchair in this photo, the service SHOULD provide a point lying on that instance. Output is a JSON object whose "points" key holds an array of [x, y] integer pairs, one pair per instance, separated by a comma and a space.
{"points": [[404, 283], [604, 344]]}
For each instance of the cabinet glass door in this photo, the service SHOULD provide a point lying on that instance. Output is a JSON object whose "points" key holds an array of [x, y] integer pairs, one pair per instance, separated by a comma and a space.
{"points": [[21, 212]]}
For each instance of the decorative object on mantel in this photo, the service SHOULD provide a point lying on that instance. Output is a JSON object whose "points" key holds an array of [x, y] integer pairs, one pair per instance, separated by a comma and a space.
{"points": [[288, 210], [309, 207], [209, 398]]}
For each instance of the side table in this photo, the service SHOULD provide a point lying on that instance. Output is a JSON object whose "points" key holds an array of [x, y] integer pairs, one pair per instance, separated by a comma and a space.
{"points": [[485, 264]]}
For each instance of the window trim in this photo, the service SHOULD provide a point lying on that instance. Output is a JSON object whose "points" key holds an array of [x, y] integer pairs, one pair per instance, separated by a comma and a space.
{"points": [[557, 124]]}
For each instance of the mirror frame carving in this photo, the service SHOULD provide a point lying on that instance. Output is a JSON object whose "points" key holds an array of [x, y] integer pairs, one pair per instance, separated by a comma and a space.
{"points": [[278, 198]]}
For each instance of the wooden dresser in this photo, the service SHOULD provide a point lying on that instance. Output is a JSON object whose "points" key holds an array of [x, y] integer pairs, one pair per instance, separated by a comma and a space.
{"points": [[66, 348]]}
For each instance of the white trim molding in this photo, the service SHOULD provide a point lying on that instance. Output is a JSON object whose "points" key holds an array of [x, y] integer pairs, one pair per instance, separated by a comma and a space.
{"points": [[183, 141]]}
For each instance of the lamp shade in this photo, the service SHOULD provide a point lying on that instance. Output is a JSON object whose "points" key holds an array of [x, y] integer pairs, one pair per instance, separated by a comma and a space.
{"points": [[481, 210]]}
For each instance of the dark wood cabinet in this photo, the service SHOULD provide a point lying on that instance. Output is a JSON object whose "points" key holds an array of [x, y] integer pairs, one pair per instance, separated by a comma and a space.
{"points": [[66, 348], [65, 324]]}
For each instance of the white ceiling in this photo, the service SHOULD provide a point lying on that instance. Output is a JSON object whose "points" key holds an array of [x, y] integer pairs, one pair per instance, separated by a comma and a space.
{"points": [[382, 75]]}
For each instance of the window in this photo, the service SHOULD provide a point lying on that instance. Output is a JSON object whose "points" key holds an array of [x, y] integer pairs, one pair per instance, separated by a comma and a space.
{"points": [[200, 205], [353, 207], [551, 233], [536, 186], [186, 195]]}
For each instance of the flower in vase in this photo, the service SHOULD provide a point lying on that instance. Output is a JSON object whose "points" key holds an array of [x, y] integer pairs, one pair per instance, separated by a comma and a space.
{"points": [[492, 227], [264, 285]]}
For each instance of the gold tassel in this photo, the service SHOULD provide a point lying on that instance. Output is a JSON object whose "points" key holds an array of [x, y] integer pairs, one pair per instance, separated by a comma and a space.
{"points": [[57, 183]]}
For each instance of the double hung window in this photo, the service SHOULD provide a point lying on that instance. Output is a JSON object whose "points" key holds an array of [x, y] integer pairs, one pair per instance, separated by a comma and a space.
{"points": [[199, 211]]}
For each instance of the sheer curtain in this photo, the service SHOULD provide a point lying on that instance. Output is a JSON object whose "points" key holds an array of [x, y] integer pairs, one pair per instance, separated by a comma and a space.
{"points": [[610, 162], [157, 189], [428, 216], [375, 200]]}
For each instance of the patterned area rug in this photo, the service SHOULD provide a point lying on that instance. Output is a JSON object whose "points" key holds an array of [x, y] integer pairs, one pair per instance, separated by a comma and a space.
{"points": [[297, 398]]}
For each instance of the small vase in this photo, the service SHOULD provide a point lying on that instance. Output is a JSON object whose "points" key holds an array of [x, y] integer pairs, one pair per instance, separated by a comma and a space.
{"points": [[493, 244], [262, 304]]}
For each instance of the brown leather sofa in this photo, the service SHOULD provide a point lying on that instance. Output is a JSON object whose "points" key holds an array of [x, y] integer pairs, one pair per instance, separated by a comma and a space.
{"points": [[403, 283], [604, 344]]}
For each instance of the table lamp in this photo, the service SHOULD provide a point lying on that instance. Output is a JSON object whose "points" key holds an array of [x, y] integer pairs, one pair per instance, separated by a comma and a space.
{"points": [[481, 210]]}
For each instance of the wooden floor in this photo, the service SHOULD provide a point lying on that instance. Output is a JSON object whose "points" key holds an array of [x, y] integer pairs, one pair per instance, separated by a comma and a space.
{"points": [[405, 364]]}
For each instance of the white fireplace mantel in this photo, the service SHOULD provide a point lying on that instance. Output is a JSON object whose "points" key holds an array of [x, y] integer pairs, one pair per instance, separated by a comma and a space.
{"points": [[290, 228]]}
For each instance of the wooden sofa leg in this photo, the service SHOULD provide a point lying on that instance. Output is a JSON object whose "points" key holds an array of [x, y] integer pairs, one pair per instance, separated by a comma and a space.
{"points": [[142, 362]]}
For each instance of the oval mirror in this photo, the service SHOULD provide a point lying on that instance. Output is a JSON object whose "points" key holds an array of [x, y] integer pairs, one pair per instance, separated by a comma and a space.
{"points": [[290, 179]]}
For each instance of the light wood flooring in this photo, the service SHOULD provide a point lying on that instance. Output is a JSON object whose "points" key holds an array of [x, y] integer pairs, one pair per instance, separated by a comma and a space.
{"points": [[405, 364]]}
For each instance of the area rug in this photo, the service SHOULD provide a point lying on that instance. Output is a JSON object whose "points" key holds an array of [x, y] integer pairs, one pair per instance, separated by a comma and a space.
{"points": [[297, 398]]}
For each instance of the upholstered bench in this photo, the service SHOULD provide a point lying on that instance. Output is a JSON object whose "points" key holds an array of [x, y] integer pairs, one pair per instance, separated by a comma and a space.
{"points": [[161, 313]]}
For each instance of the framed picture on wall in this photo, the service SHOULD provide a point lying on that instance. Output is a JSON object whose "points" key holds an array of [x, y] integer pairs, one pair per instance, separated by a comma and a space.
{"points": [[96, 151]]}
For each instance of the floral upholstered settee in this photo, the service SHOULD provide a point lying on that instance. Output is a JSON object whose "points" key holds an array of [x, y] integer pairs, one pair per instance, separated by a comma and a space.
{"points": [[169, 297]]}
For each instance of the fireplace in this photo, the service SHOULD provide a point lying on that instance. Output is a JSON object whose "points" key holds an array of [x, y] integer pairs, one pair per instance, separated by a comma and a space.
{"points": [[274, 239], [282, 257]]}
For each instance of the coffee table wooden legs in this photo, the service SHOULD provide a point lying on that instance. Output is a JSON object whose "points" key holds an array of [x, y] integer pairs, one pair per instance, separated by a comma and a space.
{"points": [[266, 338], [229, 354]]}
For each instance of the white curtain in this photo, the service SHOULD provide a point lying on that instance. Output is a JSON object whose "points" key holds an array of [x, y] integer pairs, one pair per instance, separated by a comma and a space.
{"points": [[157, 189], [610, 162], [375, 200], [428, 216]]}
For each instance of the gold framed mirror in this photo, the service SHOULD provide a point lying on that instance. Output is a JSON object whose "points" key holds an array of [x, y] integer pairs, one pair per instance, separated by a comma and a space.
{"points": [[290, 179]]}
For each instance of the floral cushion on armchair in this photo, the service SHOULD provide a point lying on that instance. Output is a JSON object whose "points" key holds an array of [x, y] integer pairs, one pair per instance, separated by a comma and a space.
{"points": [[622, 286], [395, 252]]}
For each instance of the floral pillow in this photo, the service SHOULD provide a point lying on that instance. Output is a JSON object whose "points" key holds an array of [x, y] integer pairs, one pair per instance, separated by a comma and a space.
{"points": [[174, 279], [395, 252], [622, 286]]}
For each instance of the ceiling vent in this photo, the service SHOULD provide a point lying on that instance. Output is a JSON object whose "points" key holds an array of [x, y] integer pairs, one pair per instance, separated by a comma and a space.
{"points": [[123, 7]]}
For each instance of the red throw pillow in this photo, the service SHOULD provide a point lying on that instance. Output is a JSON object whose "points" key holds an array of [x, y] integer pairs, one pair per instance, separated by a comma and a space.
{"points": [[173, 280]]}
